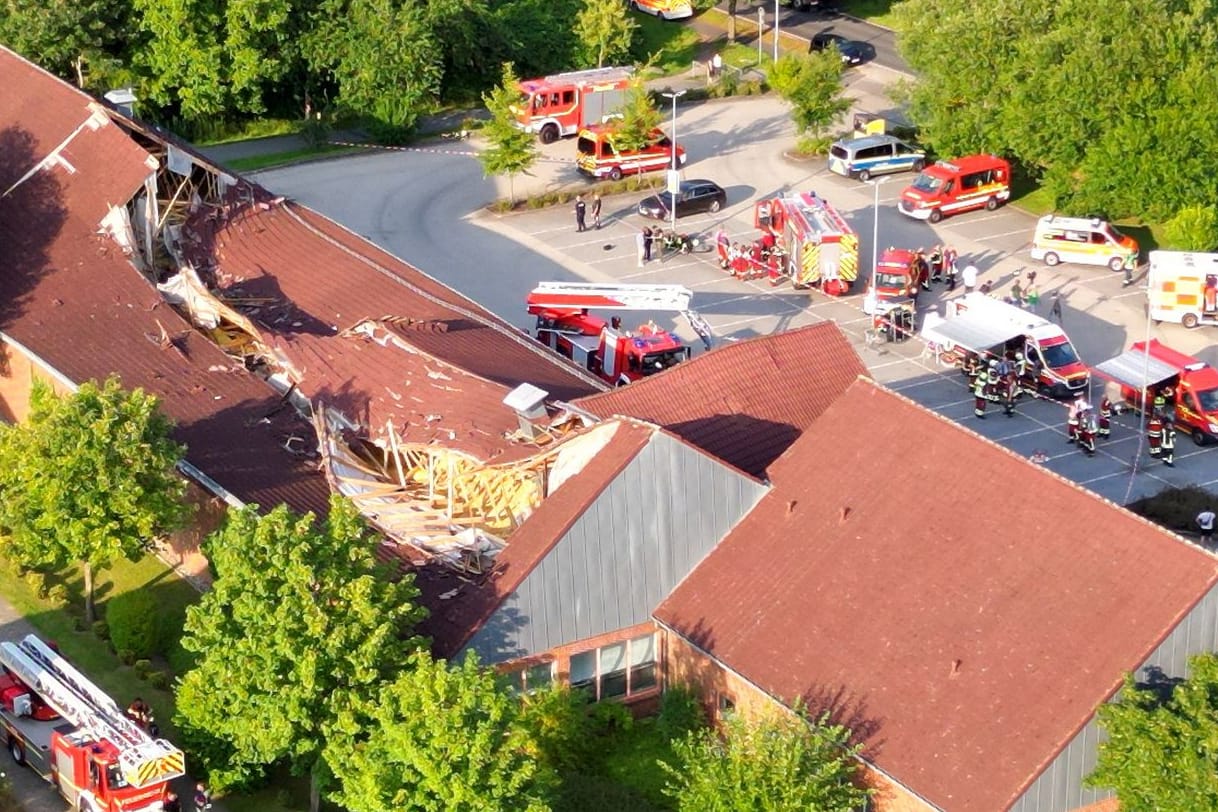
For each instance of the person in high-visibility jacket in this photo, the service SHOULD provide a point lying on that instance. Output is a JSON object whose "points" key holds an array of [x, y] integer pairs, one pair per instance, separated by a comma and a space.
{"points": [[1104, 423], [979, 398], [1154, 434], [1169, 444], [1087, 429]]}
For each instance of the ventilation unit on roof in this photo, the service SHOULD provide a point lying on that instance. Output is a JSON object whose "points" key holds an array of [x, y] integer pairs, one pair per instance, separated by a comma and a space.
{"points": [[529, 404], [124, 99]]}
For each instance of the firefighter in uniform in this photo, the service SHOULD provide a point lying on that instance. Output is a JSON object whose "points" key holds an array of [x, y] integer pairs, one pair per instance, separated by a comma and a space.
{"points": [[1073, 416], [1169, 444], [1154, 434], [921, 269], [1086, 429], [1010, 391], [936, 264], [972, 365], [1163, 398], [991, 382], [979, 386], [1104, 425]]}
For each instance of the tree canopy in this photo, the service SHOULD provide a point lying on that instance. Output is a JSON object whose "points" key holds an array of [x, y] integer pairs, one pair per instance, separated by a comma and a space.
{"points": [[88, 477], [1162, 747], [512, 150], [300, 625], [812, 84], [1110, 109], [439, 738], [780, 763], [605, 30]]}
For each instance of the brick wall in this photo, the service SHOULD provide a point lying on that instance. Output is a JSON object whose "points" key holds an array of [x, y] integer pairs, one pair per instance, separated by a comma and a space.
{"points": [[17, 376], [720, 688]]}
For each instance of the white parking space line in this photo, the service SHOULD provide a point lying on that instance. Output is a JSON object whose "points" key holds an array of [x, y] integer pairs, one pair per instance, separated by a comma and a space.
{"points": [[1006, 234]]}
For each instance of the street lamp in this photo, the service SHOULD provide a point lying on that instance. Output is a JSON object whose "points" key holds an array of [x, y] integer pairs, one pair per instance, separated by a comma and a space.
{"points": [[775, 32], [674, 182], [875, 241], [760, 32]]}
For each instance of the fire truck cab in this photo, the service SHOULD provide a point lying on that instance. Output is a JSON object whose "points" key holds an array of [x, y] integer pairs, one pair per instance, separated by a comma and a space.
{"points": [[991, 328], [605, 348], [1189, 386], [896, 275], [560, 105], [62, 726], [950, 187], [600, 158], [1183, 287], [820, 247]]}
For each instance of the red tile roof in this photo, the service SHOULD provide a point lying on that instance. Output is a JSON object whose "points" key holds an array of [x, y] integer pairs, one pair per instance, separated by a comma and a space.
{"points": [[454, 619], [745, 403], [71, 298], [438, 366], [968, 607]]}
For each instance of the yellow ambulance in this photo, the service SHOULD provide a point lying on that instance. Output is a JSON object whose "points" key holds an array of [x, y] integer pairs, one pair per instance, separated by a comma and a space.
{"points": [[1083, 240]]}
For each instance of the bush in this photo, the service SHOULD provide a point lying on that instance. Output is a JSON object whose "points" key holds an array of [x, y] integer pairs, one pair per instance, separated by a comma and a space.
{"points": [[1194, 228], [135, 622], [78, 623], [681, 712], [126, 656], [315, 131], [142, 667], [58, 594], [158, 679], [1175, 508], [558, 717], [102, 629], [610, 717], [37, 582]]}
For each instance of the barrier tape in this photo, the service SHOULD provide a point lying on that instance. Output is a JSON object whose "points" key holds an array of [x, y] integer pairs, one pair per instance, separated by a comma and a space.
{"points": [[469, 153]]}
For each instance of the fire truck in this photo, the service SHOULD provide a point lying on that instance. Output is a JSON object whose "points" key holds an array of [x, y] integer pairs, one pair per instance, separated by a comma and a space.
{"points": [[73, 735], [820, 247], [896, 276], [980, 324], [1188, 385], [602, 347], [562, 104]]}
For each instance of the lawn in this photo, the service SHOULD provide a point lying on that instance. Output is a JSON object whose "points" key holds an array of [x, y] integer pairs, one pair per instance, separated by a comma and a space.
{"points": [[677, 45], [227, 132], [873, 11], [256, 162]]}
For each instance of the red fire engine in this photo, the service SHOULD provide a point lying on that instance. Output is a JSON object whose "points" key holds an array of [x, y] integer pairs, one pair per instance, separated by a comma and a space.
{"points": [[562, 104], [74, 736], [897, 276], [819, 245], [604, 348]]}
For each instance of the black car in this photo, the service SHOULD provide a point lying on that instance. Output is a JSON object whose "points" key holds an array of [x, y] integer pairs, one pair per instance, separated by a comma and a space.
{"points": [[852, 51], [694, 196]]}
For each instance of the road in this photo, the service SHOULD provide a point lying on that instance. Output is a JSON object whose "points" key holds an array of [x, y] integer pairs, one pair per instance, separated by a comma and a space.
{"points": [[428, 207]]}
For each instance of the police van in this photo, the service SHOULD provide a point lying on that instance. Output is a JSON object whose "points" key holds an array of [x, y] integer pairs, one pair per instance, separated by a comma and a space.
{"points": [[1087, 241], [874, 155]]}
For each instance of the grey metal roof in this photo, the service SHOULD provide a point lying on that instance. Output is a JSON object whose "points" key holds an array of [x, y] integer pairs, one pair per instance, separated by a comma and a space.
{"points": [[974, 331], [1136, 369]]}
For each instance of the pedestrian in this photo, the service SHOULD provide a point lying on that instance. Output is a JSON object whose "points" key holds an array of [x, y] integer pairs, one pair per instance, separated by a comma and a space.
{"points": [[640, 242], [1017, 294], [1055, 312], [139, 712], [979, 394], [596, 211], [922, 269], [648, 239], [1010, 391], [581, 210], [936, 264], [969, 278], [1169, 444], [1073, 417], [1154, 435], [1087, 430], [202, 798], [1032, 293], [716, 66], [1105, 422], [1131, 264], [985, 288], [1205, 520], [171, 802]]}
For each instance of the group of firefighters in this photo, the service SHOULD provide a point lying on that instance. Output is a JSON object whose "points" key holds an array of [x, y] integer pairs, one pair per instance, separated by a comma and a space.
{"points": [[1003, 380], [760, 258], [937, 265]]}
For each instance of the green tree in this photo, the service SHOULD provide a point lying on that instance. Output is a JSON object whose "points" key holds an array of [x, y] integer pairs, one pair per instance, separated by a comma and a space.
{"points": [[301, 623], [438, 738], [640, 117], [605, 30], [473, 46], [812, 85], [512, 149], [384, 58], [89, 477], [1162, 746], [1194, 228], [782, 764], [75, 40]]}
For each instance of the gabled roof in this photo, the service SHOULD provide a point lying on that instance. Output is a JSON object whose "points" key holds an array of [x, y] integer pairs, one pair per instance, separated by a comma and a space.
{"points": [[372, 336], [71, 298], [745, 403], [966, 607]]}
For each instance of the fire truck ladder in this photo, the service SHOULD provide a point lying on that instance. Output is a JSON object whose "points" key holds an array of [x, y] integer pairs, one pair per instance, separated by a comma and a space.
{"points": [[660, 298], [142, 759]]}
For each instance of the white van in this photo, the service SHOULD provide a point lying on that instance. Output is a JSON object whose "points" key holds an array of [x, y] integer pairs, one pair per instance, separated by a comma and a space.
{"points": [[1084, 240]]}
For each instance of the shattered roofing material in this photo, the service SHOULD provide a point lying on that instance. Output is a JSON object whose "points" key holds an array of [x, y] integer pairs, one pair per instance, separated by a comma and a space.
{"points": [[973, 636], [374, 337], [745, 403], [71, 298]]}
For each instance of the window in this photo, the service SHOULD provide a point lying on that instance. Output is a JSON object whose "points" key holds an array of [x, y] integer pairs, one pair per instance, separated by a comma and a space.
{"points": [[568, 97], [531, 678], [881, 151], [616, 670]]}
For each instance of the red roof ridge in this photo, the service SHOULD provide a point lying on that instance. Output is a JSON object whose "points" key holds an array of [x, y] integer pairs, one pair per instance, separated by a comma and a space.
{"points": [[472, 313]]}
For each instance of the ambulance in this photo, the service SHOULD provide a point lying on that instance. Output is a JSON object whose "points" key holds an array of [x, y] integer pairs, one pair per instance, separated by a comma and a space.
{"points": [[1190, 386], [1083, 240], [665, 9], [963, 184], [1183, 287], [598, 156]]}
